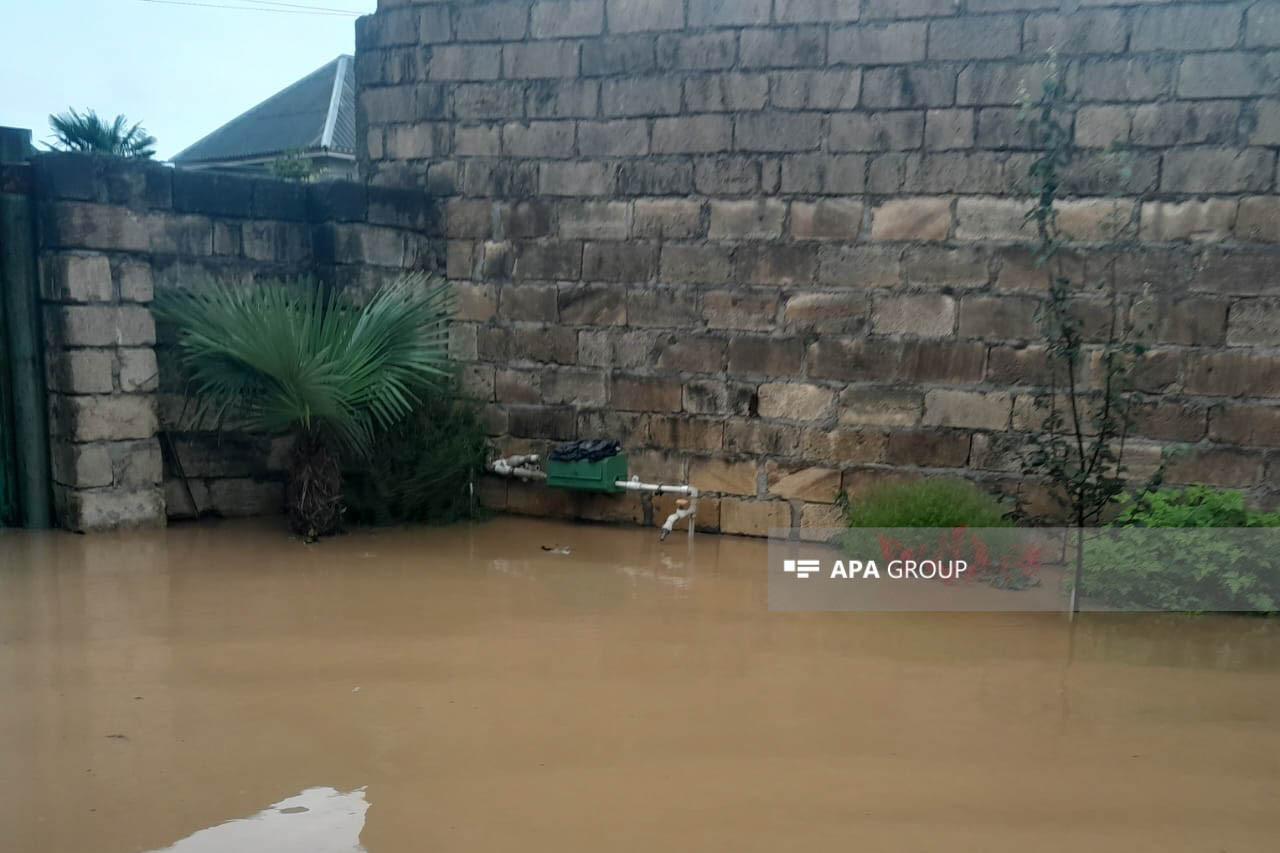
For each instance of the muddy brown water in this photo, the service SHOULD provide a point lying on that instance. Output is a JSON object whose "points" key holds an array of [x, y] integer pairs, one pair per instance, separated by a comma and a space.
{"points": [[222, 687]]}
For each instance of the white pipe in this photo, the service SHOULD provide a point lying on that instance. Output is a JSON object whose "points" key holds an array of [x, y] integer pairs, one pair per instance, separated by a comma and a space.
{"points": [[675, 517], [634, 485]]}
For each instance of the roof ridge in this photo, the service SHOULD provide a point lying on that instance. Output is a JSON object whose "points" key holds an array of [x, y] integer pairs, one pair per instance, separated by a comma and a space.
{"points": [[335, 101], [337, 61]]}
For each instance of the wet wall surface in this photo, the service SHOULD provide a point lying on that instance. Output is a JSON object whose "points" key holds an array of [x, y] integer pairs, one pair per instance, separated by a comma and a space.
{"points": [[223, 687]]}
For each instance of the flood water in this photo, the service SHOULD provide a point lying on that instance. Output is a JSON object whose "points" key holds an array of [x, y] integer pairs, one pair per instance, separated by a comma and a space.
{"points": [[223, 687]]}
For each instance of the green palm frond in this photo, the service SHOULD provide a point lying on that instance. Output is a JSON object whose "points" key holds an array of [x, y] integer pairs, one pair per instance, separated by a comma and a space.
{"points": [[74, 131], [296, 356]]}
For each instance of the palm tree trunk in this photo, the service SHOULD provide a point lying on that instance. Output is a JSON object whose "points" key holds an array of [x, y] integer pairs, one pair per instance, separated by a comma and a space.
{"points": [[313, 495]]}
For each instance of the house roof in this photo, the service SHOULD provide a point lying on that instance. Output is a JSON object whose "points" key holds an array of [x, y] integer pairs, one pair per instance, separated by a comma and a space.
{"points": [[316, 113]]}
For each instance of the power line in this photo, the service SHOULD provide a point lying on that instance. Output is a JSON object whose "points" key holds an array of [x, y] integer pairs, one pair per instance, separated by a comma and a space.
{"points": [[300, 10], [300, 6]]}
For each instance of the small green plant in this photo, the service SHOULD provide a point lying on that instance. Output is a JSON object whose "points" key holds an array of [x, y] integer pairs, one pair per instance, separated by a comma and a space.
{"points": [[423, 468], [294, 166], [87, 132], [928, 503], [1196, 565], [954, 520], [1080, 447]]}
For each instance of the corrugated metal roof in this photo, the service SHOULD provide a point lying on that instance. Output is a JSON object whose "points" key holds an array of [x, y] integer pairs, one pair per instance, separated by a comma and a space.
{"points": [[316, 112]]}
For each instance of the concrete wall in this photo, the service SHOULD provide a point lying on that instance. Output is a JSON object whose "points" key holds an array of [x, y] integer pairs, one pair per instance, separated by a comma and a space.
{"points": [[777, 246], [111, 234]]}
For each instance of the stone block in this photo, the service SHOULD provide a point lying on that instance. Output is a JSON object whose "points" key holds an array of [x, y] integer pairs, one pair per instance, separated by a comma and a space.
{"points": [[701, 134], [465, 62], [993, 219], [1127, 79], [76, 278], [773, 357], [212, 193], [631, 16], [1182, 123], [637, 394], [777, 131], [1077, 32], [640, 96], [967, 409], [81, 466], [87, 371], [927, 315], [702, 52], [696, 264], [111, 509], [824, 220], [628, 54], [1228, 75], [528, 302], [753, 518], [105, 418], [1223, 467], [1183, 28], [744, 310], [998, 317], [557, 260], [138, 370], [747, 220], [992, 83], [830, 89], [662, 307], [1209, 220], [1096, 220], [1259, 220], [921, 218], [776, 263], [726, 176], [794, 401], [1251, 426], [724, 476], [692, 354], [567, 18], [988, 37], [782, 48], [1232, 373], [95, 326], [729, 13], [948, 129], [1254, 322], [1217, 170], [594, 220], [617, 138], [556, 423], [815, 11], [878, 44], [928, 448], [838, 313], [901, 87], [824, 174], [1102, 127], [134, 281], [94, 226], [580, 388], [880, 407], [714, 93], [576, 179], [551, 139], [627, 262], [817, 485]]}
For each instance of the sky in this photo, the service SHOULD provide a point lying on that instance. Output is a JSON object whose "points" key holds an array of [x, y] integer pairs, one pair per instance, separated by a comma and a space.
{"points": [[181, 70]]}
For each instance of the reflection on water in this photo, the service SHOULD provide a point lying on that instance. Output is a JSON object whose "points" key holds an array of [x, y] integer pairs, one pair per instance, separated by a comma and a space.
{"points": [[628, 695], [318, 820]]}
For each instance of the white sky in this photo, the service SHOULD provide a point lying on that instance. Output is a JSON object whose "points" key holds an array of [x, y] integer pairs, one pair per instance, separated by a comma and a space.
{"points": [[180, 70]]}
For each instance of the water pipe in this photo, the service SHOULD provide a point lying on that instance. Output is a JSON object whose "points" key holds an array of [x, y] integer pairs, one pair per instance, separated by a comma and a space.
{"points": [[684, 508]]}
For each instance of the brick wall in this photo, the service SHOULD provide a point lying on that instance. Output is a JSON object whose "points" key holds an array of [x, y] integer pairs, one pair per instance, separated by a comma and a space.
{"points": [[777, 246], [111, 234]]}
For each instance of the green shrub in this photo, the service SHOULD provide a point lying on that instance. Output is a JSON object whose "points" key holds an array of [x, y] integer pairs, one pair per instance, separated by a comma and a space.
{"points": [[928, 503], [1189, 568], [422, 468]]}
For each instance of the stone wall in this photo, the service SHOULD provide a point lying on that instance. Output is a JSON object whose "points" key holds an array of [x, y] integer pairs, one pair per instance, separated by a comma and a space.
{"points": [[111, 234], [777, 246]]}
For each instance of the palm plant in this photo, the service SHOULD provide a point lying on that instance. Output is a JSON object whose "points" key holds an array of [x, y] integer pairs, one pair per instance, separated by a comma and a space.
{"points": [[299, 358], [88, 133]]}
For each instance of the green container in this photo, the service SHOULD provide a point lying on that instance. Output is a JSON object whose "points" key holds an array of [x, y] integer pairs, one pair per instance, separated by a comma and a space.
{"points": [[599, 476]]}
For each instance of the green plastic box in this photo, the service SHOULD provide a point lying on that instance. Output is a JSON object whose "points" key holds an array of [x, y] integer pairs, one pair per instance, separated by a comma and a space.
{"points": [[599, 476]]}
